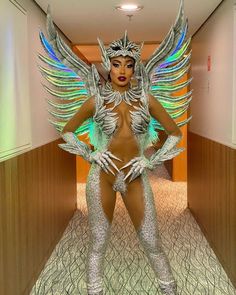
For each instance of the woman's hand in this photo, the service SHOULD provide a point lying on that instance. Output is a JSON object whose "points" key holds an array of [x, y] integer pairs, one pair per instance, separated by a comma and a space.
{"points": [[167, 151], [104, 159], [138, 166], [74, 146], [159, 157]]}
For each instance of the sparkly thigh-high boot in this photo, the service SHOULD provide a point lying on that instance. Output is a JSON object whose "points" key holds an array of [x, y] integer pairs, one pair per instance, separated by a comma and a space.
{"points": [[151, 241], [99, 227]]}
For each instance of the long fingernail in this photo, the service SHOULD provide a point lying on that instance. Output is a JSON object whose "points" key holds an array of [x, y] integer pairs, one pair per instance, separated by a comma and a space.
{"points": [[114, 165], [127, 176], [114, 157], [111, 171], [127, 165]]}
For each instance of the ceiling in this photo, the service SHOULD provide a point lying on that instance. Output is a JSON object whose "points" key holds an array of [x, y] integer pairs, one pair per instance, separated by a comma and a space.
{"points": [[82, 21]]}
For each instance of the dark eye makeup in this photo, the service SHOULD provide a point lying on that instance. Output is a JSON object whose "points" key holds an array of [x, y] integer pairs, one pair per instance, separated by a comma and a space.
{"points": [[116, 65]]}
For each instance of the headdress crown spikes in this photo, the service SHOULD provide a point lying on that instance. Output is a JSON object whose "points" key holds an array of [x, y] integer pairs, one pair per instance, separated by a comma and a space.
{"points": [[120, 47]]}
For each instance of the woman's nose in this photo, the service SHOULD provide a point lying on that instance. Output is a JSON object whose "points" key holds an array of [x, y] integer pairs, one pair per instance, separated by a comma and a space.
{"points": [[122, 70]]}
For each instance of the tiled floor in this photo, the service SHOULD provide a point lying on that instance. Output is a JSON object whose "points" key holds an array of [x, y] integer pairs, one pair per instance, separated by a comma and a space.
{"points": [[127, 270]]}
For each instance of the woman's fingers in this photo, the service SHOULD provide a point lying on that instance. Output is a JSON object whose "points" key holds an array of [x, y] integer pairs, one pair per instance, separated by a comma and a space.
{"points": [[108, 168], [112, 156], [105, 169], [128, 164], [112, 164], [132, 172], [137, 168], [103, 160], [100, 163], [133, 176], [128, 174], [137, 164], [136, 172]]}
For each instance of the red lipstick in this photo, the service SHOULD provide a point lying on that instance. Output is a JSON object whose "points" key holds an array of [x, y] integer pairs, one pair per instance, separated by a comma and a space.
{"points": [[122, 78]]}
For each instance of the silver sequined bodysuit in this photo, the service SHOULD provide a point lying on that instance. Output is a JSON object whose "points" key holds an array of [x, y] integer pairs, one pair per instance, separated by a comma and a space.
{"points": [[105, 127]]}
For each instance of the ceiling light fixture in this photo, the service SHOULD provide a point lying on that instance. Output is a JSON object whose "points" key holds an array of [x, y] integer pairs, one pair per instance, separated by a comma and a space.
{"points": [[129, 7]]}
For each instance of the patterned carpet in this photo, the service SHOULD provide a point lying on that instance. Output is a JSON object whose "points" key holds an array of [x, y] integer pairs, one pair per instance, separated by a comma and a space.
{"points": [[127, 270]]}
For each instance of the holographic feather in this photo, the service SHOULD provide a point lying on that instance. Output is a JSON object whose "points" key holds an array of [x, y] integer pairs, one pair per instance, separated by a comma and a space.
{"points": [[71, 88], [72, 80], [167, 65]]}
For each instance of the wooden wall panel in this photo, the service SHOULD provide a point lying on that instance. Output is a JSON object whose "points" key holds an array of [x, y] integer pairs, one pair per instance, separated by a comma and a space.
{"points": [[37, 200], [212, 196]]}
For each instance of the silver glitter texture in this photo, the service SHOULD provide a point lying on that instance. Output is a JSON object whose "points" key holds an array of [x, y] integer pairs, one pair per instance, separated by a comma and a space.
{"points": [[99, 227], [167, 151], [74, 146], [150, 239], [119, 184]]}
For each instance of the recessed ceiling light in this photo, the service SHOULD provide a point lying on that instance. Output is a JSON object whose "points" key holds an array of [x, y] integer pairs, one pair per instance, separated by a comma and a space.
{"points": [[129, 7]]}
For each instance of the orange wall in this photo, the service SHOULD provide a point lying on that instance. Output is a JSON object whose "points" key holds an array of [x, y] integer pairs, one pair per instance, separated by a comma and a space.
{"points": [[179, 172], [82, 166]]}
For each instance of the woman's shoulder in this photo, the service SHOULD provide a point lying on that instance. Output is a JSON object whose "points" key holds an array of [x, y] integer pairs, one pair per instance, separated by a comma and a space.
{"points": [[90, 101], [88, 106], [150, 98]]}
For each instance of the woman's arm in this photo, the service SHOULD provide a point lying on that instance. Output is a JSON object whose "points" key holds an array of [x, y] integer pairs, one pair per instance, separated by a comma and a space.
{"points": [[167, 151], [75, 146], [159, 113], [86, 111]]}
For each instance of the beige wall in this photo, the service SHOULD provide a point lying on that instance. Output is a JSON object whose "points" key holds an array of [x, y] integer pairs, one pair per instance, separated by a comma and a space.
{"points": [[211, 150], [213, 97], [41, 132]]}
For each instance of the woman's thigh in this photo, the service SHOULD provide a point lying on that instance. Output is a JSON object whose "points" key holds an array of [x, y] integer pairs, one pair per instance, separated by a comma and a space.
{"points": [[139, 202], [134, 201], [99, 194]]}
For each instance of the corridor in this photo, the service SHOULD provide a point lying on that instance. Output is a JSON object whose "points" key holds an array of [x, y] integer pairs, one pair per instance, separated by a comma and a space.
{"points": [[127, 270], [182, 61]]}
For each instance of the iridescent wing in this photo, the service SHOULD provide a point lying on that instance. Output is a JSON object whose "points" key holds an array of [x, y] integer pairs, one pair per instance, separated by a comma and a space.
{"points": [[72, 79], [167, 65]]}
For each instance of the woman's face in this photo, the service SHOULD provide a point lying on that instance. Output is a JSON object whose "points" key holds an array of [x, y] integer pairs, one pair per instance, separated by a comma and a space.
{"points": [[122, 69]]}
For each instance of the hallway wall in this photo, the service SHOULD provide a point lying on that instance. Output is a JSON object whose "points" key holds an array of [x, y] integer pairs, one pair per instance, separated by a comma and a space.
{"points": [[211, 196], [212, 71], [37, 187], [211, 148], [37, 200], [40, 130]]}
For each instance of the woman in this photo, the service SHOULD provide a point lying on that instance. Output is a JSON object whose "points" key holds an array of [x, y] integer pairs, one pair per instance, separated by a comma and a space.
{"points": [[118, 165], [122, 120]]}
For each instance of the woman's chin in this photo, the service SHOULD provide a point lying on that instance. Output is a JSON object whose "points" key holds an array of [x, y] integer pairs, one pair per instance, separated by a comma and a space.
{"points": [[122, 83]]}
